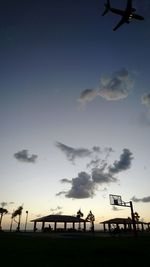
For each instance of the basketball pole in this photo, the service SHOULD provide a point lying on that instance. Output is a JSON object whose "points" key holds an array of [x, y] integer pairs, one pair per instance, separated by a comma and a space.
{"points": [[133, 219], [116, 200]]}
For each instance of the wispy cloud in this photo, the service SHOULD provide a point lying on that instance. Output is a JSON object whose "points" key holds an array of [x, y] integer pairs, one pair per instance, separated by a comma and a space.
{"points": [[25, 157], [73, 153], [114, 208], [145, 116], [4, 204], [145, 100], [144, 199], [57, 210]]}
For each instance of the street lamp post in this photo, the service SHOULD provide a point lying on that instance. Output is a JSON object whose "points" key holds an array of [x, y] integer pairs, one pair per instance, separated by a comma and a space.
{"points": [[26, 221]]}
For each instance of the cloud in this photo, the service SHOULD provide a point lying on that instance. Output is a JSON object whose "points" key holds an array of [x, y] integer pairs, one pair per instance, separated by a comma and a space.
{"points": [[3, 204], [144, 199], [87, 96], [86, 185], [57, 210], [102, 173], [100, 177], [116, 87], [145, 100], [114, 208], [96, 149], [94, 163], [73, 153], [124, 163], [81, 187], [113, 87], [65, 180], [61, 193], [24, 156]]}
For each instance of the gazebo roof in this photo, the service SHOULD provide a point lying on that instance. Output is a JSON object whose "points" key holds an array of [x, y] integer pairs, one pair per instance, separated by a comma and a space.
{"points": [[58, 218], [121, 221]]}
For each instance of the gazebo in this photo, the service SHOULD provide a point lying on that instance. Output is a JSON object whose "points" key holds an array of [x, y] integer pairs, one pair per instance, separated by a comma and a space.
{"points": [[55, 219], [124, 223]]}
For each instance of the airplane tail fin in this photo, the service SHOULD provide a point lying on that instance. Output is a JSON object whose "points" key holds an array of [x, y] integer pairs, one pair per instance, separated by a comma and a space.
{"points": [[107, 7]]}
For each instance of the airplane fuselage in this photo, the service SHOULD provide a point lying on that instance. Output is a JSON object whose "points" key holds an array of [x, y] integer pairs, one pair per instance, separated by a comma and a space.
{"points": [[127, 14]]}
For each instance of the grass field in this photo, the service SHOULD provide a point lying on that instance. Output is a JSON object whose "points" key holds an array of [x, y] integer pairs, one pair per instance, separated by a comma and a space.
{"points": [[49, 250]]}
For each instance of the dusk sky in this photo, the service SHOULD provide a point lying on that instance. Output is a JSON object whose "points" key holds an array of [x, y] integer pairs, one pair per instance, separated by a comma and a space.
{"points": [[74, 108]]}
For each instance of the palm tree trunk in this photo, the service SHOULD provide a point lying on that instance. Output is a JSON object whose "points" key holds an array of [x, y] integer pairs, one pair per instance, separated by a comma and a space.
{"points": [[1, 221]]}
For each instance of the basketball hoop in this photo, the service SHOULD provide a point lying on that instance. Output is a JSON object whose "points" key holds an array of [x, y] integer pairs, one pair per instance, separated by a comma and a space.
{"points": [[117, 200]]}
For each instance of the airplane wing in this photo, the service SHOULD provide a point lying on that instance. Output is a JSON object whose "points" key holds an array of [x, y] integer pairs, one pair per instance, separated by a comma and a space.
{"points": [[122, 21]]}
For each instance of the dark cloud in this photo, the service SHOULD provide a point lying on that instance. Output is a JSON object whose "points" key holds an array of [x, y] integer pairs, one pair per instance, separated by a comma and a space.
{"points": [[73, 153], [124, 163], [100, 177], [85, 185], [144, 199], [25, 157], [81, 187]]}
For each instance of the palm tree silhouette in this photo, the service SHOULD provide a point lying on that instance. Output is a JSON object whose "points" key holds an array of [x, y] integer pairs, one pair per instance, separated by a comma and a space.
{"points": [[91, 218], [79, 215], [2, 212], [17, 212], [136, 216]]}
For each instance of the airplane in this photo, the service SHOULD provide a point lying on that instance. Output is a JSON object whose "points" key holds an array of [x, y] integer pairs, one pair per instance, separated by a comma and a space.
{"points": [[127, 15]]}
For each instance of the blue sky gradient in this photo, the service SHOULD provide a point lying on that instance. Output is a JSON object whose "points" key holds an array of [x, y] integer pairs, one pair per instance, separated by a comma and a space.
{"points": [[74, 104]]}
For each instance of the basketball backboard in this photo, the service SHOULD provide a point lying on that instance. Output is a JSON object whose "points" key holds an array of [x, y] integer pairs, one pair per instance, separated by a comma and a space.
{"points": [[116, 200]]}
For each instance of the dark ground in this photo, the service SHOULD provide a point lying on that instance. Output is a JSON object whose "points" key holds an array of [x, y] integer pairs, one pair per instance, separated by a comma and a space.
{"points": [[28, 249]]}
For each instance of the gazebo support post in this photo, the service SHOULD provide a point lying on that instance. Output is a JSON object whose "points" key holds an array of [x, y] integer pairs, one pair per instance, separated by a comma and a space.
{"points": [[43, 225], [65, 226], [55, 226], [34, 227]]}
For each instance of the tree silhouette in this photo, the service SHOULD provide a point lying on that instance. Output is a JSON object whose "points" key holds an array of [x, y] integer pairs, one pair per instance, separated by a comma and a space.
{"points": [[79, 215], [2, 212], [136, 216], [91, 218], [17, 212]]}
